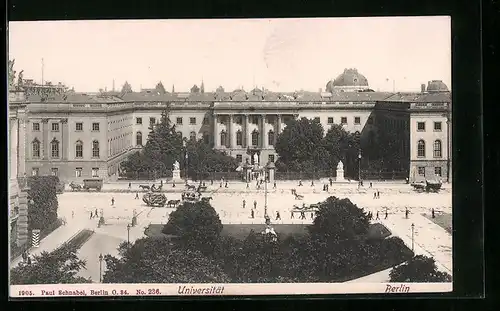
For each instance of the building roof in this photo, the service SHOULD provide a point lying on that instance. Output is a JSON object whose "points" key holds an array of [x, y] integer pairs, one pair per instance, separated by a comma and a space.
{"points": [[437, 86], [437, 97]]}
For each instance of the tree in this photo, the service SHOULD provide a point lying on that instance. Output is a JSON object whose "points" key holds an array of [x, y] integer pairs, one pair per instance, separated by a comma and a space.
{"points": [[163, 147], [300, 147], [135, 164], [58, 267], [160, 88], [342, 146], [203, 160], [157, 260], [43, 212], [196, 225], [127, 88], [419, 269]]}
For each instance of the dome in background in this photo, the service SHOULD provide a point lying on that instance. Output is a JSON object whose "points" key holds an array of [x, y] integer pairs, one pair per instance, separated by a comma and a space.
{"points": [[437, 86], [349, 79]]}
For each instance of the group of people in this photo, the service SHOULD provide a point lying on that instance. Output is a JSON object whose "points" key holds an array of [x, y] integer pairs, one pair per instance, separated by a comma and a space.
{"points": [[377, 217]]}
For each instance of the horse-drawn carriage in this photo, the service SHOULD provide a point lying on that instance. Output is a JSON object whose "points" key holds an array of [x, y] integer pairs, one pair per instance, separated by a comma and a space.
{"points": [[191, 196], [154, 199], [427, 186], [75, 186]]}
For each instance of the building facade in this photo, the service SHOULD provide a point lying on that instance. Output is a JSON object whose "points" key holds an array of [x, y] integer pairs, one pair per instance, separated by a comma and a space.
{"points": [[77, 136]]}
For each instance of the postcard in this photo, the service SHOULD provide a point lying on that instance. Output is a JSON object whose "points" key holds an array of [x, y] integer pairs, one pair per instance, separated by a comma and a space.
{"points": [[230, 157]]}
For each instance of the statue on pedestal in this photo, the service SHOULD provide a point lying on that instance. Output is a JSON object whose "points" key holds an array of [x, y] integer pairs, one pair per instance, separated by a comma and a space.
{"points": [[256, 158], [340, 172], [176, 166], [12, 73]]}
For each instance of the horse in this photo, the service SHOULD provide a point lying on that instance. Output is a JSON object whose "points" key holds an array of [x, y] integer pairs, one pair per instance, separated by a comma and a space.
{"points": [[298, 196], [74, 186], [191, 187], [144, 187]]}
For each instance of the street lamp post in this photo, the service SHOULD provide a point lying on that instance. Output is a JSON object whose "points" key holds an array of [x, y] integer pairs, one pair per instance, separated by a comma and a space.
{"points": [[128, 234], [359, 168], [100, 268], [413, 238], [265, 192]]}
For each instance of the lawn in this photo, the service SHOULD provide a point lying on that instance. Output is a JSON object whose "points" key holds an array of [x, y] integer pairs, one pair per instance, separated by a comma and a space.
{"points": [[444, 220]]}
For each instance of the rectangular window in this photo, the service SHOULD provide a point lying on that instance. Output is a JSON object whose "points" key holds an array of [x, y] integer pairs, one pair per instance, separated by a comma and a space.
{"points": [[55, 127], [55, 149], [54, 171], [35, 171], [239, 157], [79, 126], [330, 120], [192, 121], [317, 119], [421, 126], [271, 158], [178, 121], [437, 126], [78, 172], [437, 171], [95, 172], [138, 120], [421, 171], [152, 120], [36, 127], [343, 120], [357, 120], [95, 127]]}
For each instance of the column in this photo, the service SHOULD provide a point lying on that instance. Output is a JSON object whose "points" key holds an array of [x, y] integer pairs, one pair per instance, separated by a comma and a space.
{"points": [[216, 131], [13, 147], [64, 139], [230, 134], [264, 131], [45, 142], [233, 135], [21, 146], [278, 124], [247, 133]]}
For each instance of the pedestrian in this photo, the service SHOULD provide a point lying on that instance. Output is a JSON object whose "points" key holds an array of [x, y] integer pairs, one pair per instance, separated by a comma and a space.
{"points": [[274, 185], [72, 214], [362, 184], [406, 212], [112, 201], [331, 181], [252, 213], [255, 204], [312, 215], [129, 186], [244, 203], [211, 182], [173, 184], [377, 218], [386, 214], [374, 195], [433, 214], [248, 185], [300, 183], [136, 196], [226, 184], [220, 185], [312, 183], [161, 183], [91, 214], [278, 216], [291, 215], [302, 215], [371, 184], [96, 213], [204, 184], [378, 194]]}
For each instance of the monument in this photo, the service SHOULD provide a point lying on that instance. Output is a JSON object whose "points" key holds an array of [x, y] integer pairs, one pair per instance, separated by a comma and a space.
{"points": [[256, 159], [340, 172], [176, 172]]}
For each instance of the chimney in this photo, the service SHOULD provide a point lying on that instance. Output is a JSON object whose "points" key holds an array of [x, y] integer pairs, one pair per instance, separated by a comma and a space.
{"points": [[422, 88]]}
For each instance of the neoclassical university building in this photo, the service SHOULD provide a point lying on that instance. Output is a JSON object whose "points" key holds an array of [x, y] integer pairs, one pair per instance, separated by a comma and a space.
{"points": [[56, 131]]}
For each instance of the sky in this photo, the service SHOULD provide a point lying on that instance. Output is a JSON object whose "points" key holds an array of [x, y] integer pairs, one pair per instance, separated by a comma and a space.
{"points": [[278, 54]]}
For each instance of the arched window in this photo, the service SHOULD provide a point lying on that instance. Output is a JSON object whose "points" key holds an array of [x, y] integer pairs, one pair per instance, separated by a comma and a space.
{"points": [[79, 149], [192, 136], [239, 138], [35, 147], [421, 149], [95, 149], [437, 149], [138, 139], [270, 138], [223, 138], [54, 147], [255, 138], [206, 138]]}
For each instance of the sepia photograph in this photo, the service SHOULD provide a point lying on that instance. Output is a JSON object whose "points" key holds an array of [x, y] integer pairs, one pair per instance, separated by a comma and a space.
{"points": [[214, 157]]}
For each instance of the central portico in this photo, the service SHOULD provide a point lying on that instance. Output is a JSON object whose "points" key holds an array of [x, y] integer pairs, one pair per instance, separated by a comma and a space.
{"points": [[248, 132]]}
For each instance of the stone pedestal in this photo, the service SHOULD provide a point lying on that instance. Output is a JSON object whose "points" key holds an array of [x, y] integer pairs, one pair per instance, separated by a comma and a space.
{"points": [[176, 176], [340, 172]]}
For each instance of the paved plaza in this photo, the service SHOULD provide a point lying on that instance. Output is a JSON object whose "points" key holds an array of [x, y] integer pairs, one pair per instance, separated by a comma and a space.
{"points": [[429, 238]]}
